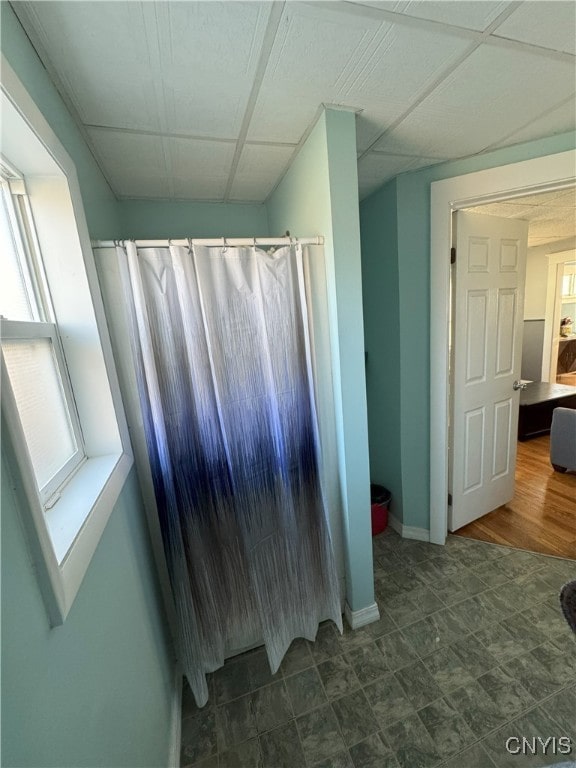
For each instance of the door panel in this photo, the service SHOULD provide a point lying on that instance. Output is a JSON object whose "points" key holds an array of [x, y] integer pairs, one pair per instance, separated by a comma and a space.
{"points": [[488, 290]]}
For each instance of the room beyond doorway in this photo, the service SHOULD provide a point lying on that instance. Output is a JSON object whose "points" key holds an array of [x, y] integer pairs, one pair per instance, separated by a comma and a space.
{"points": [[542, 515]]}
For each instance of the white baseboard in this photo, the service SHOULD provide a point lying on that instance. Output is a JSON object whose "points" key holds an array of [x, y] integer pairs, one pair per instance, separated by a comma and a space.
{"points": [[176, 722], [357, 619], [408, 531]]}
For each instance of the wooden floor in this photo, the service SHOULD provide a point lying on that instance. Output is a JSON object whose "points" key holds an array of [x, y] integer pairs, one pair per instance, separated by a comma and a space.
{"points": [[542, 515]]}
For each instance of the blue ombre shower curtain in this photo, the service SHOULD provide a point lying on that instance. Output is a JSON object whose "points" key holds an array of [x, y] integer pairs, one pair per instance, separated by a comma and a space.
{"points": [[221, 345]]}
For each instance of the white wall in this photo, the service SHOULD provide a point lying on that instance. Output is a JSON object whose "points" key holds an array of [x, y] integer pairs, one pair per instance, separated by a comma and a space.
{"points": [[537, 277]]}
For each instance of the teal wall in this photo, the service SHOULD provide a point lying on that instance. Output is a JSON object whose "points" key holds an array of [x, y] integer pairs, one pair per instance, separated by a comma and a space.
{"points": [[155, 219], [411, 246], [319, 196], [380, 288], [97, 690]]}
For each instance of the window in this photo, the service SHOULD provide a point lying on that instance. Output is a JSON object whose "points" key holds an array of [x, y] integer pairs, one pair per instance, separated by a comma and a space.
{"points": [[31, 348], [67, 440]]}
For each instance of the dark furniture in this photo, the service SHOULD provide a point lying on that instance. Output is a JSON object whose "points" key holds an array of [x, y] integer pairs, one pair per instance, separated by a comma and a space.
{"points": [[537, 402]]}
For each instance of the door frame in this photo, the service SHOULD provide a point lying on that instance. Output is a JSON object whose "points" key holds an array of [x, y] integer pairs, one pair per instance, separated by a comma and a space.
{"points": [[556, 263], [541, 174]]}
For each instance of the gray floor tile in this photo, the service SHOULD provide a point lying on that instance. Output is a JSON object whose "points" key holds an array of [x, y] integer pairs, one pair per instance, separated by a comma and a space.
{"points": [[448, 729], [477, 708], [327, 643], [533, 724], [281, 748], [235, 722], [198, 738], [320, 734], [305, 690], [473, 670], [473, 656], [355, 717], [499, 643], [481, 610], [297, 658], [434, 632], [447, 670], [231, 681], [271, 706], [368, 663], [412, 744], [491, 573], [373, 753], [383, 626], [454, 589], [526, 635], [413, 606], [339, 760], [544, 670], [209, 762], [388, 700], [396, 650], [338, 677], [562, 709], [507, 693], [418, 685], [474, 757], [259, 672], [246, 755], [355, 638]]}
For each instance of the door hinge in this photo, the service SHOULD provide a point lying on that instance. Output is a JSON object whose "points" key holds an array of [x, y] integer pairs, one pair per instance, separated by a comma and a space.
{"points": [[452, 255], [449, 499]]}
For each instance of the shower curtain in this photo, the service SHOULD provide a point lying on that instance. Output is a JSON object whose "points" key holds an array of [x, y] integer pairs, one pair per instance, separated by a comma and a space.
{"points": [[221, 347]]}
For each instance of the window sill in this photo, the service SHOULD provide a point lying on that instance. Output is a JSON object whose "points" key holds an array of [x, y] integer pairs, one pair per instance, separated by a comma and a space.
{"points": [[79, 500]]}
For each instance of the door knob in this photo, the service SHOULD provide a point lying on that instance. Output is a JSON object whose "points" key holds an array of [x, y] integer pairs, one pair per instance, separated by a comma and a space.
{"points": [[519, 385]]}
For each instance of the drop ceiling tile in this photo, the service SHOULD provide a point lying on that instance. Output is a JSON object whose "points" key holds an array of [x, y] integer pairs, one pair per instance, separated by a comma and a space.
{"points": [[135, 164], [549, 228], [475, 14], [550, 24], [400, 65], [208, 53], [282, 115], [104, 62], [200, 169], [318, 46], [259, 170], [493, 92], [559, 120]]}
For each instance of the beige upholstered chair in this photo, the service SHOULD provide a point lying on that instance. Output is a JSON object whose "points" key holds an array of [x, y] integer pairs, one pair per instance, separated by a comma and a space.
{"points": [[563, 439]]}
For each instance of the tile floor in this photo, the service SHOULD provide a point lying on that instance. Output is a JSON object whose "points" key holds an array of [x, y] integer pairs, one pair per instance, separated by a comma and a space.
{"points": [[471, 649]]}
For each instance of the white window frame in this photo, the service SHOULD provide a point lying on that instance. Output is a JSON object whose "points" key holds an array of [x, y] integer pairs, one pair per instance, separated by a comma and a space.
{"points": [[63, 538]]}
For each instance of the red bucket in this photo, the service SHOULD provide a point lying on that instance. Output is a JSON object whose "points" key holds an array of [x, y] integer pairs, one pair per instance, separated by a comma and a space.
{"points": [[380, 498]]}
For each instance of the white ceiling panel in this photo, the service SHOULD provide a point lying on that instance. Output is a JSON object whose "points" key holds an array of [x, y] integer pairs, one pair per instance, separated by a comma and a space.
{"points": [[259, 170], [486, 98], [100, 53], [401, 64], [200, 169], [282, 115], [136, 165], [208, 54], [317, 48], [560, 120], [474, 14], [549, 24]]}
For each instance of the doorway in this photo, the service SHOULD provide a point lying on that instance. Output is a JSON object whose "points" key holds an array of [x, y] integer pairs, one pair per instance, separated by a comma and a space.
{"points": [[539, 175]]}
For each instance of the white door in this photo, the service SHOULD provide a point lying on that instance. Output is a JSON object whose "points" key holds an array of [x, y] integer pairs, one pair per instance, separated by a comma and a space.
{"points": [[487, 345]]}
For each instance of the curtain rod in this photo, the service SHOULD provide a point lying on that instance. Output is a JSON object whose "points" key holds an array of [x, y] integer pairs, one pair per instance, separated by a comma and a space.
{"points": [[216, 241]]}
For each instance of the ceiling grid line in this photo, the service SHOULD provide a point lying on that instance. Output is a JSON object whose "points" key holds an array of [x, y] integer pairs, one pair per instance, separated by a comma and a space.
{"points": [[271, 29]]}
